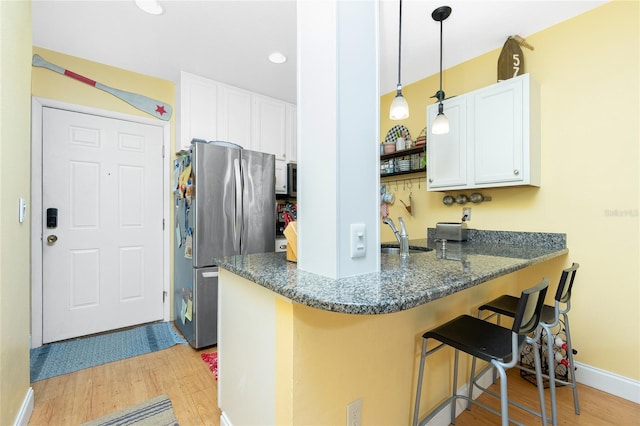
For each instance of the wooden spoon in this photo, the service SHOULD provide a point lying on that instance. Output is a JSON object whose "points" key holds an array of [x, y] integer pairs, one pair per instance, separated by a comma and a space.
{"points": [[407, 207]]}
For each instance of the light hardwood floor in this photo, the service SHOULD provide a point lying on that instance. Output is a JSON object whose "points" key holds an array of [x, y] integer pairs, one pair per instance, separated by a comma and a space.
{"points": [[180, 373], [597, 408]]}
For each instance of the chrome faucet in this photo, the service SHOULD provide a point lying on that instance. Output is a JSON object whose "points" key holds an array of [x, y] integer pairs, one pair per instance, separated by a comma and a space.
{"points": [[401, 236]]}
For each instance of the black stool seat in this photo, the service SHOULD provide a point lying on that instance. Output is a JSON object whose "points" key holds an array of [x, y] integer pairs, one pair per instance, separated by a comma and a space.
{"points": [[507, 305], [476, 337]]}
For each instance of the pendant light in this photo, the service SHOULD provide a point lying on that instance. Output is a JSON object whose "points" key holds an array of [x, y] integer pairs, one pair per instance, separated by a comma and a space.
{"points": [[399, 108], [441, 123]]}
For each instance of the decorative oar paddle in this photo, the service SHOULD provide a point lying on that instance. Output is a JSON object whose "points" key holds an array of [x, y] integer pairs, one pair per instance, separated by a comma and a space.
{"points": [[156, 108]]}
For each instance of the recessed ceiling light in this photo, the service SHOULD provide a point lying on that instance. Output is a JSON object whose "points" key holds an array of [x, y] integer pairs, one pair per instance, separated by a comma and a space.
{"points": [[277, 58], [150, 6]]}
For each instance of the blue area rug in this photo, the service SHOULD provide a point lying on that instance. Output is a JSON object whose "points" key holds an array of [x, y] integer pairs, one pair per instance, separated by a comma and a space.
{"points": [[65, 357]]}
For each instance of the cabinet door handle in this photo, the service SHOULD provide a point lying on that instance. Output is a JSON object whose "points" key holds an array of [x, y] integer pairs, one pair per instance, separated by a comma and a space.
{"points": [[516, 172], [430, 180]]}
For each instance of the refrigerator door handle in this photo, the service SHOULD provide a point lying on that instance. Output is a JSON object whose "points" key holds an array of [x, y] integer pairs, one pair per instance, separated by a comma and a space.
{"points": [[209, 274], [237, 229]]}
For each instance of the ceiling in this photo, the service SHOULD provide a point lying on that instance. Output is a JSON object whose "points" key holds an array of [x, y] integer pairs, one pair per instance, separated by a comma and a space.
{"points": [[229, 41]]}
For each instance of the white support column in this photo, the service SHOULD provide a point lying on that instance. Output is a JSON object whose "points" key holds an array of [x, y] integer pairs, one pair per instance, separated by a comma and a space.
{"points": [[338, 126]]}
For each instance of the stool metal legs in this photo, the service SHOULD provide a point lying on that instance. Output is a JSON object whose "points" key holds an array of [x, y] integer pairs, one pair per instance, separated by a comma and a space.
{"points": [[572, 369], [551, 372], [553, 380], [504, 400], [499, 368], [416, 411], [539, 376], [419, 390]]}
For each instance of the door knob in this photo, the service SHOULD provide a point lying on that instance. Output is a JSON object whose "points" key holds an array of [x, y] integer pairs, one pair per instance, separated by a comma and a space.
{"points": [[51, 239]]}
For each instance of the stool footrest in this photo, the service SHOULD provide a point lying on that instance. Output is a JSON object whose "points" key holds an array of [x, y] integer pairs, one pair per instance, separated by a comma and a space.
{"points": [[474, 382], [452, 400], [497, 395]]}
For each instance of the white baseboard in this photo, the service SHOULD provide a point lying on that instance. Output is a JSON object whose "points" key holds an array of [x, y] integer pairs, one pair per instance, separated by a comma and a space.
{"points": [[22, 419], [608, 382], [224, 420]]}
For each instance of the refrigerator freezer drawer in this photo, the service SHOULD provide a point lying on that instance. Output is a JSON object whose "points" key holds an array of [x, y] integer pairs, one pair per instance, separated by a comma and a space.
{"points": [[206, 307], [196, 306]]}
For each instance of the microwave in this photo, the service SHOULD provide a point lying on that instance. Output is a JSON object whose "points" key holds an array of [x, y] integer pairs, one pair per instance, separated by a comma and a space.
{"points": [[292, 180]]}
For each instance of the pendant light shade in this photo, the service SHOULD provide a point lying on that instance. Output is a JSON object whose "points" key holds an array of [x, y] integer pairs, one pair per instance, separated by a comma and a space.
{"points": [[399, 107], [441, 123]]}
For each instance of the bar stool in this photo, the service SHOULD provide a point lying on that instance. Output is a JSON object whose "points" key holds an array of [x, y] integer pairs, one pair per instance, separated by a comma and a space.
{"points": [[507, 305], [490, 342]]}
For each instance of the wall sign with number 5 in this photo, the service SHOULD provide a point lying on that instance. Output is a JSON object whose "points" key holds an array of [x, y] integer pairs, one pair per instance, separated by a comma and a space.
{"points": [[511, 59]]}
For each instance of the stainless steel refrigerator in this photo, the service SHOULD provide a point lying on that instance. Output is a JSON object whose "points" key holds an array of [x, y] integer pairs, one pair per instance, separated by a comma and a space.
{"points": [[224, 205]]}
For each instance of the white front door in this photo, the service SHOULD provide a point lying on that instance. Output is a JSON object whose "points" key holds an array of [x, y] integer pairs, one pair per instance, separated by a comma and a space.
{"points": [[102, 260]]}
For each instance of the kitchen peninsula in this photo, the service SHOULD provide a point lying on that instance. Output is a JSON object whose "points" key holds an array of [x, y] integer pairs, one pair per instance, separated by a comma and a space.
{"points": [[297, 348]]}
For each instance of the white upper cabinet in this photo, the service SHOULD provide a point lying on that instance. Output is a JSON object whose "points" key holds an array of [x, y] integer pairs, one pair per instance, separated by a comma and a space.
{"points": [[497, 128], [292, 133], [214, 111], [269, 126], [494, 139], [198, 109], [234, 116], [291, 127], [447, 154]]}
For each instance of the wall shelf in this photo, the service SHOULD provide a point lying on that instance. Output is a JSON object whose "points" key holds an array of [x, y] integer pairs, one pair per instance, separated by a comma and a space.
{"points": [[422, 170], [415, 150], [405, 152]]}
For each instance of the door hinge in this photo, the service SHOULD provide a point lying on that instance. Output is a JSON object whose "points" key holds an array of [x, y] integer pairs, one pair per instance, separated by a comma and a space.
{"points": [[163, 224], [162, 151], [164, 296]]}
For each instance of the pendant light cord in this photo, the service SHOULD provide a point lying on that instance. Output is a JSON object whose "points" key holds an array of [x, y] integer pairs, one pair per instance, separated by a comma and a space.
{"points": [[399, 42], [440, 92]]}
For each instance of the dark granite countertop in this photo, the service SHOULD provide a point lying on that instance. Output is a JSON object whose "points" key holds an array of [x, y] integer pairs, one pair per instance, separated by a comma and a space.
{"points": [[403, 283]]}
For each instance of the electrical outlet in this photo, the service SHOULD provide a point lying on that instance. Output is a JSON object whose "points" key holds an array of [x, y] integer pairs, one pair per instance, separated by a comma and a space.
{"points": [[466, 214], [354, 413]]}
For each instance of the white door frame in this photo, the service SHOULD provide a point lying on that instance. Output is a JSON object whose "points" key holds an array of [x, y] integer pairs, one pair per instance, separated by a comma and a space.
{"points": [[37, 105]]}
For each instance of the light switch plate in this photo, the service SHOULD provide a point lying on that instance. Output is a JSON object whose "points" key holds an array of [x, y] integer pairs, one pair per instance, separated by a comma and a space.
{"points": [[358, 240], [22, 210]]}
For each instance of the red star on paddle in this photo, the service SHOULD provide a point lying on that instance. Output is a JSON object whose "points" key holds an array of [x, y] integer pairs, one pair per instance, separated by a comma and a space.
{"points": [[160, 109]]}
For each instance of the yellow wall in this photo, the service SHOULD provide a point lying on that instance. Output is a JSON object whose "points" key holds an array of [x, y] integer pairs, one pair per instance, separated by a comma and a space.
{"points": [[284, 362], [15, 130], [588, 69]]}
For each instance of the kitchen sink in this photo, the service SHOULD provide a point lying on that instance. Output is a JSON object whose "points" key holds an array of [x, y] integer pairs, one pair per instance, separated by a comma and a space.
{"points": [[390, 249]]}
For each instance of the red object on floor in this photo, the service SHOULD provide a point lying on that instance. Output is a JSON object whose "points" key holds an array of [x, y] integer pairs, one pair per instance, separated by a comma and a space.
{"points": [[212, 360]]}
